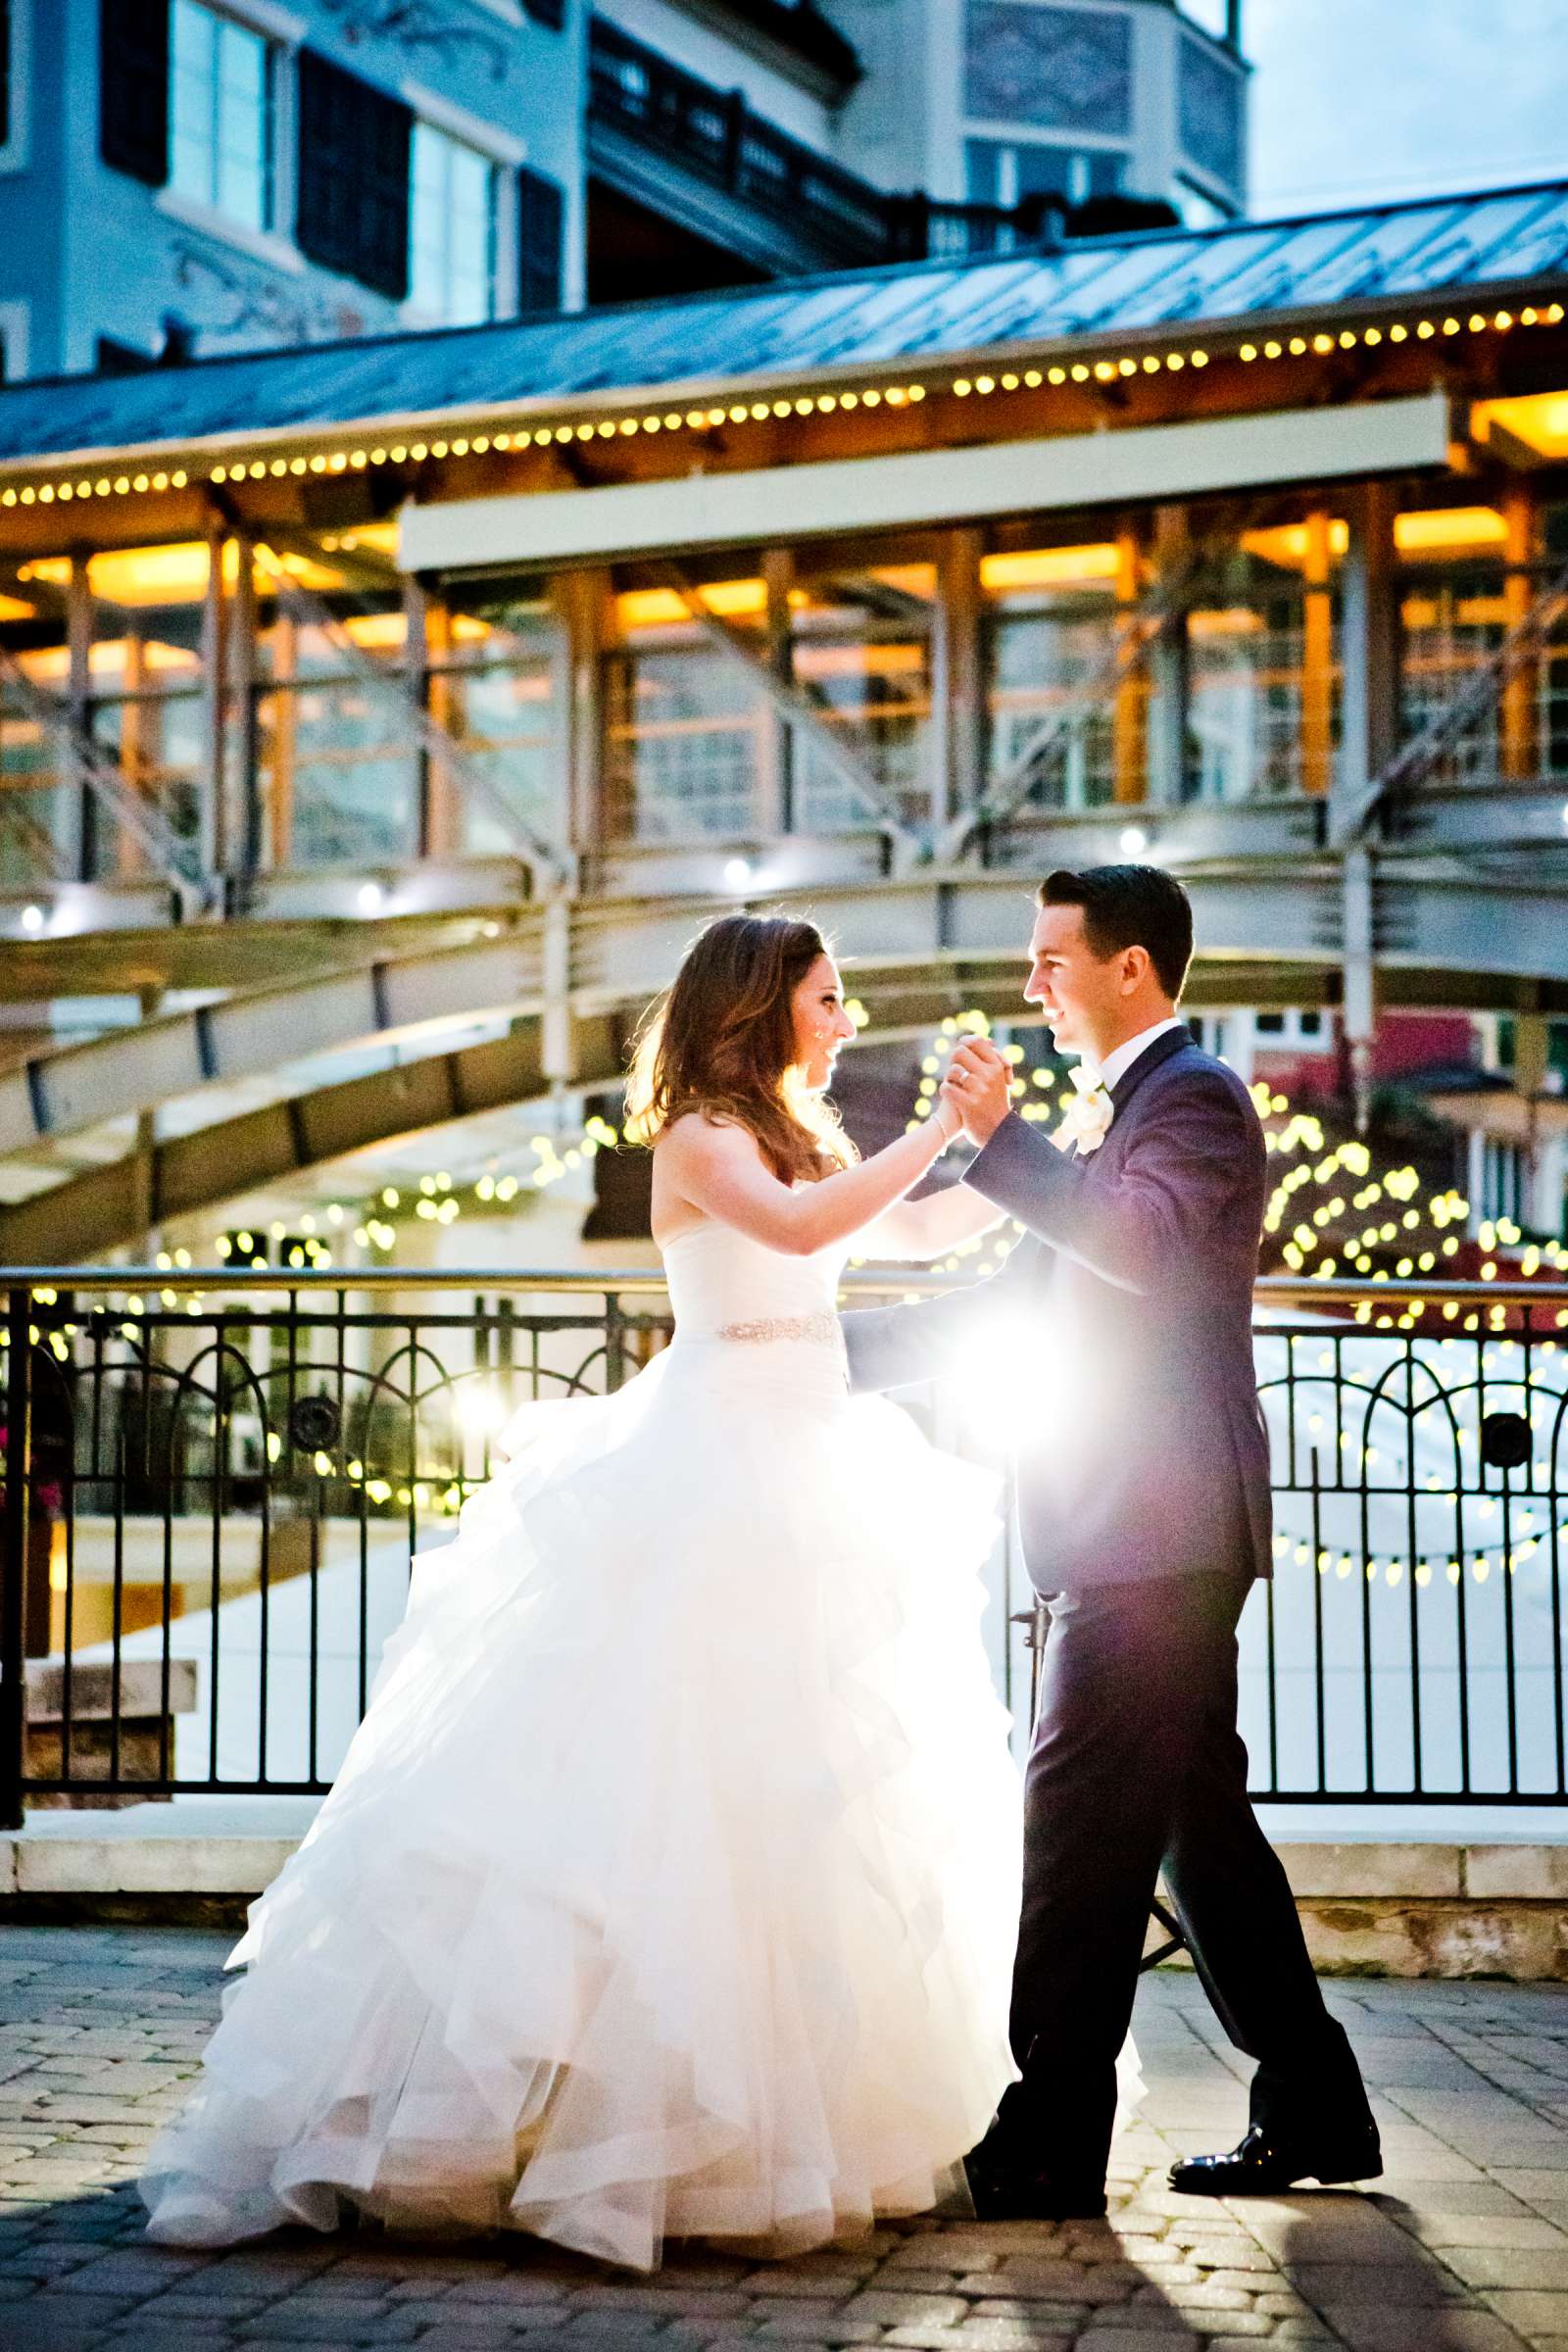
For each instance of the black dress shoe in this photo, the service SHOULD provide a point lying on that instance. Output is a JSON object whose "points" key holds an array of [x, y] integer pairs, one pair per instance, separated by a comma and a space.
{"points": [[1261, 2166], [1009, 2192]]}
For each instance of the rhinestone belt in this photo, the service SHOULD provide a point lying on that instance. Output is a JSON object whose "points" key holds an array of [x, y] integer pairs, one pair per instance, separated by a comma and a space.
{"points": [[822, 1328]]}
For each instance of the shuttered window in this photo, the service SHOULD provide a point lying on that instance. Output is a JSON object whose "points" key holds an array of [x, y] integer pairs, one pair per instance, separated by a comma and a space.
{"points": [[541, 212], [353, 213], [134, 88]]}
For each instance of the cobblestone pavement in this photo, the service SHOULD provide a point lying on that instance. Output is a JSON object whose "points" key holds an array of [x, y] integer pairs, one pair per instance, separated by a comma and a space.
{"points": [[1464, 2247]]}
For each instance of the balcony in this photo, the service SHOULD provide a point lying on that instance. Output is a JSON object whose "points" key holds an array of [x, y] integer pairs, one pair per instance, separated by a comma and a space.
{"points": [[696, 187]]}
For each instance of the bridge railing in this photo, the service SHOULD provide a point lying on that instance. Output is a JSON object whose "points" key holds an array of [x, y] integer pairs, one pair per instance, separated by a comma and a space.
{"points": [[213, 1484]]}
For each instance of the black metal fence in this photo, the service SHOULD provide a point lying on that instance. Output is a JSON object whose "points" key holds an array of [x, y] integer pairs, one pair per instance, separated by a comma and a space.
{"points": [[214, 1483]]}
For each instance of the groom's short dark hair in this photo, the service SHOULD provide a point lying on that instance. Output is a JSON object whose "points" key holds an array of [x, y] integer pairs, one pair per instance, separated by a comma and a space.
{"points": [[1130, 906]]}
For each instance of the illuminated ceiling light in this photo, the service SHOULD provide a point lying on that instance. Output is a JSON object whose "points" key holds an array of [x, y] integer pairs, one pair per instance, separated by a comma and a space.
{"points": [[219, 473], [459, 449], [1450, 327], [963, 388], [1058, 375], [1131, 841], [1476, 322], [1199, 359], [716, 417], [1374, 334], [368, 898], [827, 404], [737, 873], [781, 407], [1103, 371], [1399, 332], [985, 383], [296, 465], [607, 429], [1031, 377], [1503, 320], [694, 417], [1080, 373], [760, 411], [870, 400], [32, 920], [1527, 316], [1347, 338], [804, 407], [849, 400], [1127, 366], [122, 484], [1271, 351], [917, 391], [1152, 364], [140, 482], [1174, 359], [1009, 383], [318, 463]]}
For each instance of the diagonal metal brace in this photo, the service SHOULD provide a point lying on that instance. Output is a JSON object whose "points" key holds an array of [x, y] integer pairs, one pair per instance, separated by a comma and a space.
{"points": [[1411, 765], [164, 851], [800, 712], [314, 613], [1136, 629]]}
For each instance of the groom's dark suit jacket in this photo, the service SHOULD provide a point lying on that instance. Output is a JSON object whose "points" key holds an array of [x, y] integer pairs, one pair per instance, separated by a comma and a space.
{"points": [[1128, 1320]]}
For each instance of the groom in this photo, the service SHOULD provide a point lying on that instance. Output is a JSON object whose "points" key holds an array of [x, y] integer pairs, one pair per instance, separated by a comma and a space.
{"points": [[1144, 1504]]}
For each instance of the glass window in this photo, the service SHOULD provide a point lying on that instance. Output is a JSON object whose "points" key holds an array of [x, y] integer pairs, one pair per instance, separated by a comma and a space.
{"points": [[1004, 173], [451, 226], [220, 115], [1057, 704]]}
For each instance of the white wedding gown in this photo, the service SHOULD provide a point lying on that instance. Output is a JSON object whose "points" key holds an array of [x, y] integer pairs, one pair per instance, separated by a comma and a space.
{"points": [[670, 1885]]}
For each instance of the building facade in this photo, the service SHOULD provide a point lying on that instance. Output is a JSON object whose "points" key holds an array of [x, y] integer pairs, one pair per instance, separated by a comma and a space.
{"points": [[188, 177], [351, 697]]}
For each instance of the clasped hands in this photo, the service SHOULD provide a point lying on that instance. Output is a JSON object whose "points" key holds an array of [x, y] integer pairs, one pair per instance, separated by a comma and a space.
{"points": [[977, 1089]]}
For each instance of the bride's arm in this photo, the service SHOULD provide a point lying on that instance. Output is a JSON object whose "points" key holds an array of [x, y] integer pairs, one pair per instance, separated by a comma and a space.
{"points": [[720, 1170], [929, 1228]]}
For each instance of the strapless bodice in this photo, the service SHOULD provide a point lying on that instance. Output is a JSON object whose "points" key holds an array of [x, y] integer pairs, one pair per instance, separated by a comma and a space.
{"points": [[724, 1285]]}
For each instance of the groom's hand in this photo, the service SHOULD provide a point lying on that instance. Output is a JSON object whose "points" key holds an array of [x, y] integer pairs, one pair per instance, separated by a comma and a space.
{"points": [[980, 1082]]}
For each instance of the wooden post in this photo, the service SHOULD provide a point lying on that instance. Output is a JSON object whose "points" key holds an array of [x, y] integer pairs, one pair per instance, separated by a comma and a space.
{"points": [[1317, 661], [581, 598], [959, 681], [776, 737], [1520, 712], [1130, 712], [214, 813], [285, 728], [249, 843], [1370, 732], [140, 731], [1170, 680], [84, 845]]}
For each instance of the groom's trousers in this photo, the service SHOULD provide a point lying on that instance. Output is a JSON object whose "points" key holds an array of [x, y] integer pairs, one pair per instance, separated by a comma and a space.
{"points": [[1136, 1767]]}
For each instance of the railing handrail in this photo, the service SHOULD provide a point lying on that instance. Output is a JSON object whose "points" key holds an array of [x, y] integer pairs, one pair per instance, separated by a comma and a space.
{"points": [[1270, 1289]]}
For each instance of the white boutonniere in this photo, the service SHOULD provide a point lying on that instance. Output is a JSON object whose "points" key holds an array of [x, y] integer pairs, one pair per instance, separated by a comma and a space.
{"points": [[1087, 1120]]}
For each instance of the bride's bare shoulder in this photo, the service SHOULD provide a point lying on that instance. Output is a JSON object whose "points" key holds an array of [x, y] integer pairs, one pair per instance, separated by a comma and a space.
{"points": [[704, 1135]]}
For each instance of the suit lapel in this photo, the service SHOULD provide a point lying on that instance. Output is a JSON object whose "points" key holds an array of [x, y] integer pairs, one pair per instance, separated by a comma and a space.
{"points": [[1174, 1041]]}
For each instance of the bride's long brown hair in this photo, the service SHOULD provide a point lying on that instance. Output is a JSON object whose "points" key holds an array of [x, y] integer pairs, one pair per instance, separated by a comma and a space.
{"points": [[722, 1041]]}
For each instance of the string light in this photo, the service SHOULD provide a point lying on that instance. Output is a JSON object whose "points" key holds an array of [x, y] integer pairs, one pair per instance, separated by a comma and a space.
{"points": [[348, 456]]}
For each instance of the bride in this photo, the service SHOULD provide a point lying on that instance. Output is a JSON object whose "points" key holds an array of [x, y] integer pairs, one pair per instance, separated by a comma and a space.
{"points": [[669, 1887]]}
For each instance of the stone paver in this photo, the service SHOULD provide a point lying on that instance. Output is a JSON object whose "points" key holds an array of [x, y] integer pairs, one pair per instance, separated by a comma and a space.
{"points": [[1463, 2247]]}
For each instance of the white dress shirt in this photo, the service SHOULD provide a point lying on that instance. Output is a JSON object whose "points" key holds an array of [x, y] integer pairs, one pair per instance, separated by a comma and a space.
{"points": [[1115, 1066]]}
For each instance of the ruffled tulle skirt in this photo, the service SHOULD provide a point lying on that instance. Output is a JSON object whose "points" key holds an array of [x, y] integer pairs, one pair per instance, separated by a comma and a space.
{"points": [[670, 1884]]}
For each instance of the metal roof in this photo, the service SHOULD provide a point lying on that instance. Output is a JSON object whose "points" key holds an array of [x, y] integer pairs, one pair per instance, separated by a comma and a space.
{"points": [[1159, 282]]}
